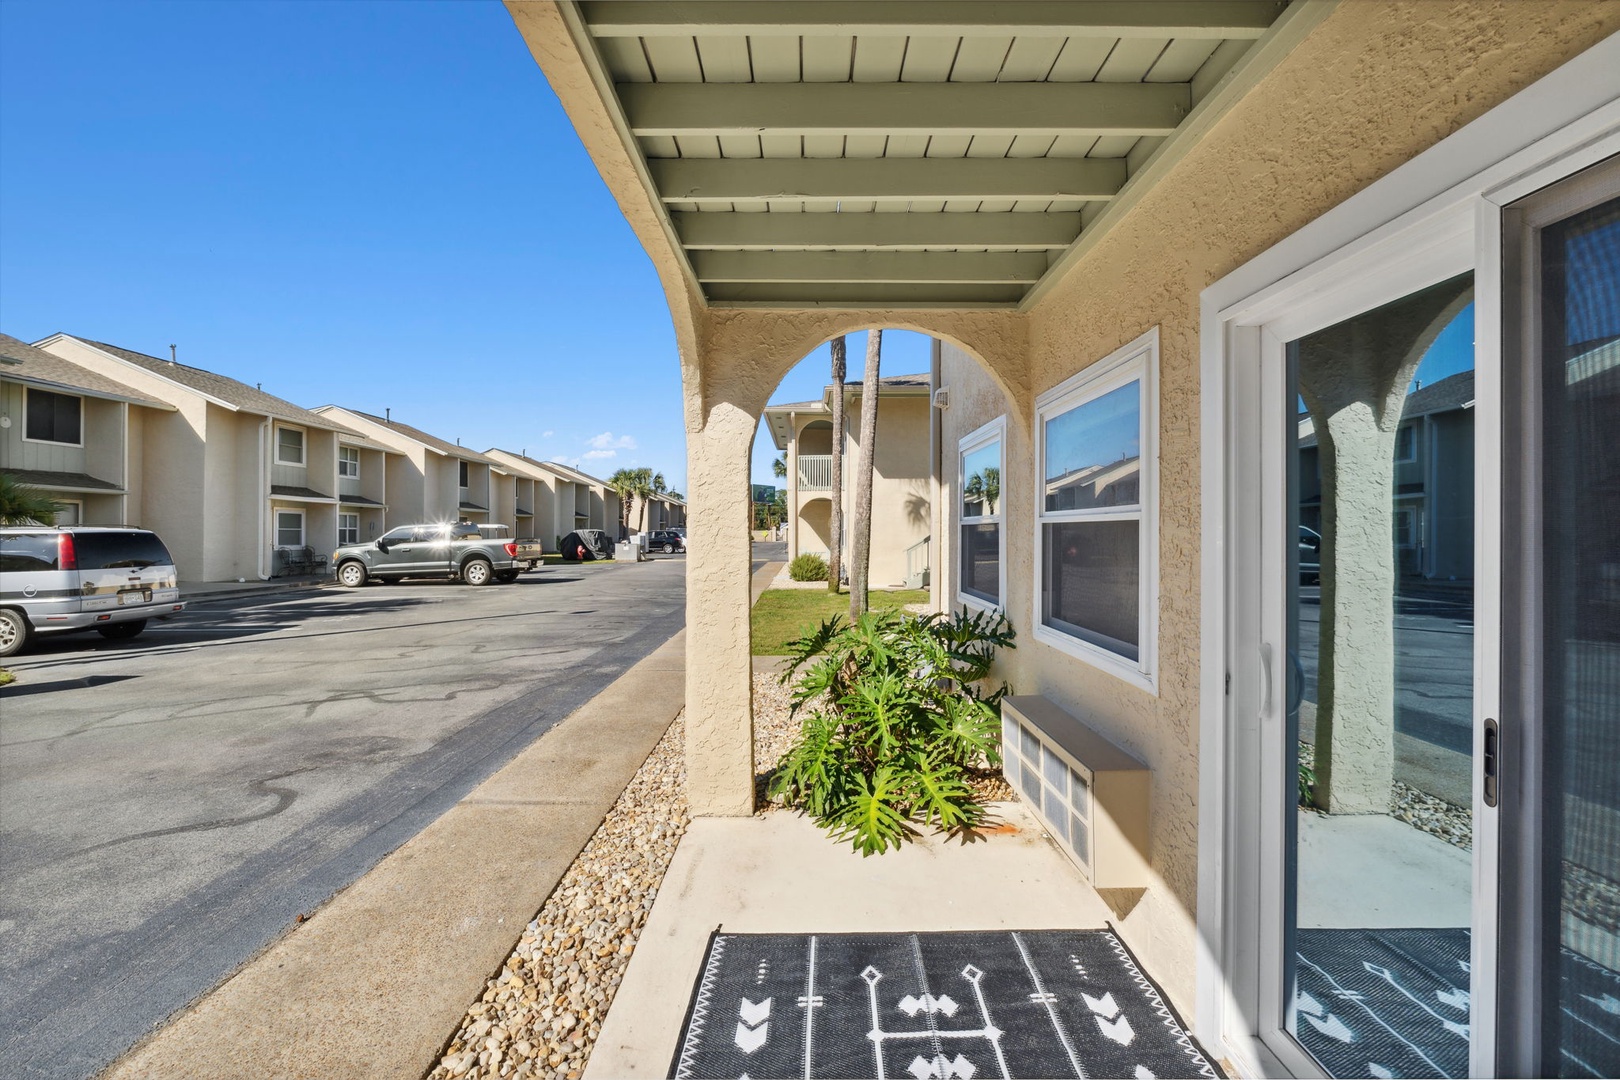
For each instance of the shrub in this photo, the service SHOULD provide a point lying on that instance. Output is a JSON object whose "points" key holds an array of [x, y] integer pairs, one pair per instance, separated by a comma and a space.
{"points": [[900, 724], [808, 568]]}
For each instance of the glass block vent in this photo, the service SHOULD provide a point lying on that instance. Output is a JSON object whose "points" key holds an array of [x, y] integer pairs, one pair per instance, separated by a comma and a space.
{"points": [[1053, 785]]}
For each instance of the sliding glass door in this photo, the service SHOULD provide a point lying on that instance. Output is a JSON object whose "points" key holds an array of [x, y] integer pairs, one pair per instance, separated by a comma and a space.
{"points": [[1560, 728], [1378, 900]]}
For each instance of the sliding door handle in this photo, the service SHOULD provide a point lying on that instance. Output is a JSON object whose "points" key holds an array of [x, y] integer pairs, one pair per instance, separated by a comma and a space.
{"points": [[1265, 677], [1492, 765]]}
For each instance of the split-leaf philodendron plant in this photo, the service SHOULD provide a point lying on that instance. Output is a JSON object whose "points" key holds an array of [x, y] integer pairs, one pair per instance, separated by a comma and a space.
{"points": [[899, 724]]}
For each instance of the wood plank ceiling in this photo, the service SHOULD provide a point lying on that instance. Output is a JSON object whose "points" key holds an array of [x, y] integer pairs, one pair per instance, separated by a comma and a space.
{"points": [[914, 152]]}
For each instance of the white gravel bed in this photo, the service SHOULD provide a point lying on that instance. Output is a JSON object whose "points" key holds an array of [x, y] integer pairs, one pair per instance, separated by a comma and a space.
{"points": [[541, 1015]]}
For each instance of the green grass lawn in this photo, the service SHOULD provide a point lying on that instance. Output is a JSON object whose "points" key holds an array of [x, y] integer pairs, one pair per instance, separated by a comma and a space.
{"points": [[784, 614]]}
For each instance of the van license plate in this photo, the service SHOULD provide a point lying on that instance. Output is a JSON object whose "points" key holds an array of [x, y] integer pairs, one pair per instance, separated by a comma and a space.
{"points": [[135, 596]]}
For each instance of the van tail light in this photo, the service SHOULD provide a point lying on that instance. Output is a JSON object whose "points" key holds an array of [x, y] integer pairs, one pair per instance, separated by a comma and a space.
{"points": [[66, 557], [511, 549]]}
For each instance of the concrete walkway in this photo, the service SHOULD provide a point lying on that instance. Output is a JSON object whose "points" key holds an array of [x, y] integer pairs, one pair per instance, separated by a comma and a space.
{"points": [[778, 873], [376, 981]]}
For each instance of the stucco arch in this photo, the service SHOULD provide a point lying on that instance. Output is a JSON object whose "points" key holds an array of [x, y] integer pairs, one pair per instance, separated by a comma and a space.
{"points": [[744, 354]]}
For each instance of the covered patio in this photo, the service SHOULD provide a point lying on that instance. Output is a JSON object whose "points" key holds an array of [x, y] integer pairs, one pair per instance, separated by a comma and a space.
{"points": [[1048, 189]]}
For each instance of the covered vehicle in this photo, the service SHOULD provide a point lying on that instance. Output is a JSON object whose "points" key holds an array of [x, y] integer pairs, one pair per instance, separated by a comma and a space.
{"points": [[586, 545]]}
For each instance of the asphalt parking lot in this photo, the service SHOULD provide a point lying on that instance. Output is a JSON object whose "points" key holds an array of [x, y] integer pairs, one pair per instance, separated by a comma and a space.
{"points": [[169, 805]]}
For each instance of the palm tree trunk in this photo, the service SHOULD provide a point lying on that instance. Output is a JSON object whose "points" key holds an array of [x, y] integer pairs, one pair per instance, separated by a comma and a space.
{"points": [[861, 542], [835, 544]]}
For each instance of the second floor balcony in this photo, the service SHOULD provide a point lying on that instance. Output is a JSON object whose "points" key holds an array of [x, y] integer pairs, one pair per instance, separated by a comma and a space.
{"points": [[815, 472]]}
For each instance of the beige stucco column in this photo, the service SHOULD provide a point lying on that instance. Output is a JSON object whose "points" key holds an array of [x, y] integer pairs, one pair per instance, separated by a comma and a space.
{"points": [[719, 667], [1354, 378]]}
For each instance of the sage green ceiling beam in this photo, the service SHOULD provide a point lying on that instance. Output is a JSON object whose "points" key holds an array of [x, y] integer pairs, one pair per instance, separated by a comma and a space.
{"points": [[1086, 109], [863, 296], [761, 179], [890, 267], [956, 18], [888, 231]]}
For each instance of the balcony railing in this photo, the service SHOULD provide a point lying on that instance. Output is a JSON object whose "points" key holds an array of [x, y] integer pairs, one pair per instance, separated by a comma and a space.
{"points": [[815, 472]]}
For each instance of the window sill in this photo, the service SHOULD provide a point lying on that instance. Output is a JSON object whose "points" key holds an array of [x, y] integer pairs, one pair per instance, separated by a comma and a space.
{"points": [[1102, 659]]}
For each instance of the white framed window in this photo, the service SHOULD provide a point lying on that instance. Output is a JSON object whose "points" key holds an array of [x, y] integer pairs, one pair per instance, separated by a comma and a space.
{"points": [[1096, 521], [982, 573], [289, 528], [349, 462], [348, 528], [289, 445], [54, 418], [71, 513]]}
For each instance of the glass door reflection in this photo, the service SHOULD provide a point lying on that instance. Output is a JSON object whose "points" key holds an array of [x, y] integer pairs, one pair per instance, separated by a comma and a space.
{"points": [[1379, 895]]}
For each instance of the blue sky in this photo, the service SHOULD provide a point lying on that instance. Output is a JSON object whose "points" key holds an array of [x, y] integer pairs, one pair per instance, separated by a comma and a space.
{"points": [[373, 204], [347, 202]]}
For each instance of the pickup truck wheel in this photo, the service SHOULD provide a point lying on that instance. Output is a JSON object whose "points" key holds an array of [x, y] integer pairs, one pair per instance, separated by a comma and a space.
{"points": [[506, 577], [15, 630], [122, 631], [351, 575], [477, 572]]}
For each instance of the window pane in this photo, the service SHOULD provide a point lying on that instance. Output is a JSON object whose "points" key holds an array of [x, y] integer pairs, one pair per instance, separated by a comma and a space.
{"points": [[981, 481], [1091, 581], [1093, 452], [28, 553], [53, 417], [981, 562], [289, 529], [1379, 530], [290, 445], [1580, 587]]}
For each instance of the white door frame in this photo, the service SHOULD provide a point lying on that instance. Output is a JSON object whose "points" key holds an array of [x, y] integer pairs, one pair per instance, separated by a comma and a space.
{"points": [[1437, 215]]}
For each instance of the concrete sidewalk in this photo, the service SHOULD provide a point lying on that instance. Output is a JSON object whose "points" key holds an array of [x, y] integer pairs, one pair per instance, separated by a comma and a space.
{"points": [[777, 873], [377, 979]]}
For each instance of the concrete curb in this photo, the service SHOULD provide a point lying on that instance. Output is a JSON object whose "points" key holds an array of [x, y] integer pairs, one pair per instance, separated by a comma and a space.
{"points": [[261, 588], [376, 981]]}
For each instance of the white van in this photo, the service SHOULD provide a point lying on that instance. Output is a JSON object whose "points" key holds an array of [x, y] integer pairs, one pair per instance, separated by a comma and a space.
{"points": [[58, 580]]}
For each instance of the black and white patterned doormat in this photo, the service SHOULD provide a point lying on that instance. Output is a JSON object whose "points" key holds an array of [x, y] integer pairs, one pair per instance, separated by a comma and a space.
{"points": [[946, 1006]]}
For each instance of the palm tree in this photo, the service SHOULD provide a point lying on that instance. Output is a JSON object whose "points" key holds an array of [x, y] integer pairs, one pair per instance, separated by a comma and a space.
{"points": [[861, 542], [779, 467], [21, 504], [985, 487], [623, 484], [836, 543]]}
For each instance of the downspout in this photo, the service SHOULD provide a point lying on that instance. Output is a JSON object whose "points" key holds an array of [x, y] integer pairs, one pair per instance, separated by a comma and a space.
{"points": [[936, 437], [263, 556], [123, 417]]}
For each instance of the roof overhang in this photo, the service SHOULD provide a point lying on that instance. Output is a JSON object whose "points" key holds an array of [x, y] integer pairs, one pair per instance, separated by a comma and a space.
{"points": [[880, 154]]}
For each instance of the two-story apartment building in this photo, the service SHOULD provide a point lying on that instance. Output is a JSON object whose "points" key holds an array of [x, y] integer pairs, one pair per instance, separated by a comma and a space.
{"points": [[901, 475], [429, 478], [66, 430], [234, 474]]}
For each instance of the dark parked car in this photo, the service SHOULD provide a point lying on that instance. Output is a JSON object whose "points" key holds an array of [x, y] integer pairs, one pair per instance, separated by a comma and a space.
{"points": [[668, 541], [1310, 556]]}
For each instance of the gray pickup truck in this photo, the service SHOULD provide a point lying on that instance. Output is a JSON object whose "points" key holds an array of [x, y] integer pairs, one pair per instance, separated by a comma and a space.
{"points": [[477, 554]]}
